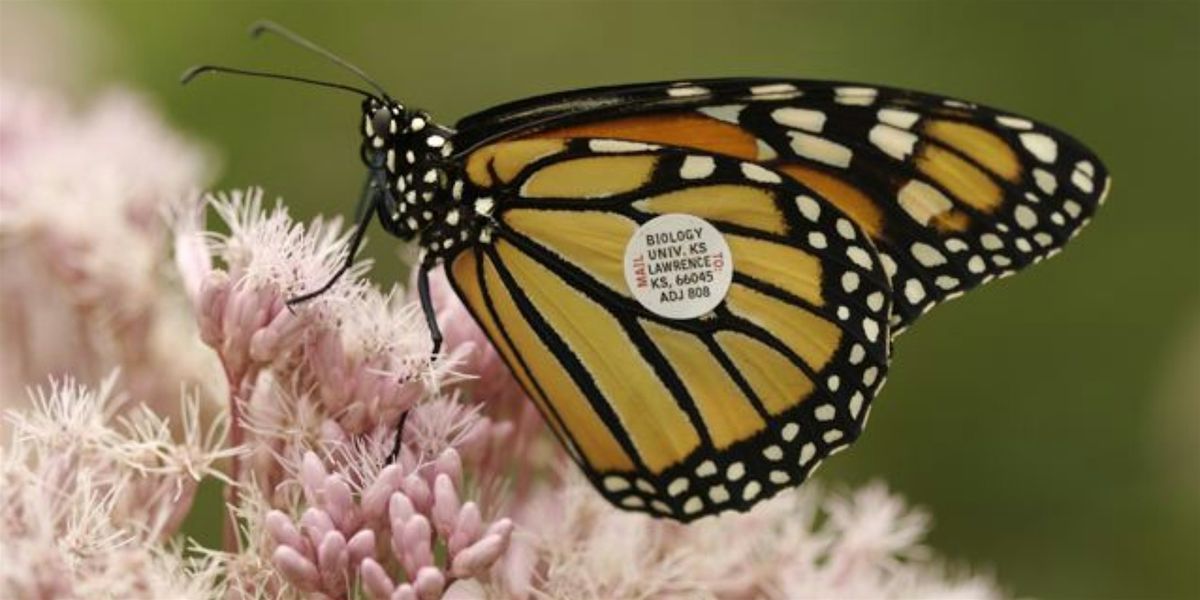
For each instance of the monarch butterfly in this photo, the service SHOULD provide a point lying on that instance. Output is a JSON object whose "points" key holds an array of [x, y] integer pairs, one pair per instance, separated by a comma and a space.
{"points": [[698, 282]]}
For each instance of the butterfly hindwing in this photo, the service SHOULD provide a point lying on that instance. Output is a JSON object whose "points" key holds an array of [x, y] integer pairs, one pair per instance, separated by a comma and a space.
{"points": [[953, 194], [679, 418]]}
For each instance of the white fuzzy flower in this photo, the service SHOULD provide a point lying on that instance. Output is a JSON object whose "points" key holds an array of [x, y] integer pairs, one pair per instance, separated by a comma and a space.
{"points": [[85, 496]]}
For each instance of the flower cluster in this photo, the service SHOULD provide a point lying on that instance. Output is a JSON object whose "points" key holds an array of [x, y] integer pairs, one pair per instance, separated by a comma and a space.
{"points": [[416, 512], [86, 497], [81, 246], [355, 463], [802, 544]]}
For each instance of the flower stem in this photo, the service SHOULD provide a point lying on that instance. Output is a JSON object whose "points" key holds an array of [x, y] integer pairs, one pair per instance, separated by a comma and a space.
{"points": [[232, 492]]}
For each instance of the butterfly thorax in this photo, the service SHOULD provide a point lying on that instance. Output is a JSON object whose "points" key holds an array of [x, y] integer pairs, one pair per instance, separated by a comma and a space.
{"points": [[406, 153]]}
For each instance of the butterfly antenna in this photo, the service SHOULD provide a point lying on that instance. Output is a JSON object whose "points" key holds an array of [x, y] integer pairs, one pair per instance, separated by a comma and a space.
{"points": [[198, 70], [270, 26]]}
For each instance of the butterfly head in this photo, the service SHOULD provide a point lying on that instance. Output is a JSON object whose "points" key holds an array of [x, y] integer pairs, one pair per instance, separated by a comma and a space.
{"points": [[382, 122], [406, 150]]}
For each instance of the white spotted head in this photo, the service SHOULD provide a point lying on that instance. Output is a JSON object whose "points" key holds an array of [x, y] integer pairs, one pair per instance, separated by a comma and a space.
{"points": [[382, 121], [406, 153]]}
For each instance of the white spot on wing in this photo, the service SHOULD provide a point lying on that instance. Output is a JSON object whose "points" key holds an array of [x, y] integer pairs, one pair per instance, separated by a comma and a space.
{"points": [[820, 149], [850, 281], [773, 88], [896, 143], [718, 494], [677, 487], [808, 207], [897, 118], [825, 412], [1041, 146], [975, 264], [857, 353], [922, 201], [927, 255], [855, 96], [619, 146], [845, 229], [875, 301], [871, 329], [614, 483], [727, 113], [1082, 178], [765, 151], [751, 491], [789, 432], [806, 453], [686, 91], [1045, 181], [697, 167], [1025, 216], [1073, 208], [800, 118], [1014, 122], [914, 292], [759, 173], [859, 256]]}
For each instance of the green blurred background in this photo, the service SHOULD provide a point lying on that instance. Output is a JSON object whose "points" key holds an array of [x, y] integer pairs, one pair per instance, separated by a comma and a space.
{"points": [[1050, 422]]}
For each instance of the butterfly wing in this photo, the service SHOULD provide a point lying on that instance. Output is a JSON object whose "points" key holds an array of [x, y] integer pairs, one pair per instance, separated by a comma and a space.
{"points": [[679, 418], [952, 194]]}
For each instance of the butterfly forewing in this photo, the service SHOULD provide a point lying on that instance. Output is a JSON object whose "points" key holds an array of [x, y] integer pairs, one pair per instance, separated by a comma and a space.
{"points": [[689, 417], [952, 194]]}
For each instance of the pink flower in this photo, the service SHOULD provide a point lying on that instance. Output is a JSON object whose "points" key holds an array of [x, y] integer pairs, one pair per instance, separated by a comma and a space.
{"points": [[362, 356], [802, 544], [81, 243], [334, 542]]}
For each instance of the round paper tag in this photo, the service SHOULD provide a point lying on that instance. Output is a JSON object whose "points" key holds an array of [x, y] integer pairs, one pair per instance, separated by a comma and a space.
{"points": [[678, 266]]}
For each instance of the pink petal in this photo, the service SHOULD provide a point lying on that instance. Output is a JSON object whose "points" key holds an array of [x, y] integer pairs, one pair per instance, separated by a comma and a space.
{"points": [[210, 309], [429, 583], [445, 505], [400, 508], [467, 530], [312, 477], [361, 546], [464, 589], [418, 543], [281, 334], [502, 528], [283, 531], [404, 592], [333, 560], [339, 503], [478, 556], [375, 580], [374, 501], [314, 523], [332, 433], [450, 463], [296, 569], [418, 493]]}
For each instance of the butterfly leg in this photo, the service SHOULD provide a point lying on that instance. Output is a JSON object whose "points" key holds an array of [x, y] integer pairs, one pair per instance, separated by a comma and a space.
{"points": [[435, 332], [395, 453], [369, 200]]}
